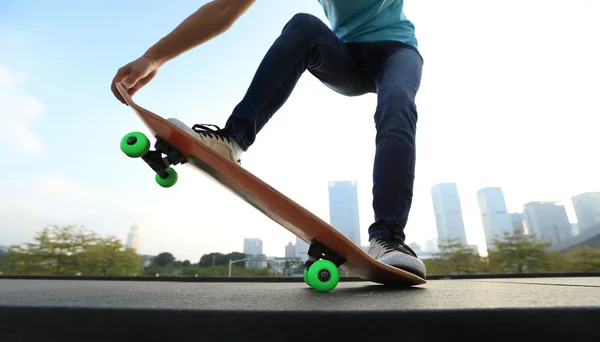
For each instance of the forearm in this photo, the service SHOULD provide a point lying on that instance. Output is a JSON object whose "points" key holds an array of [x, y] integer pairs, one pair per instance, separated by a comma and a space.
{"points": [[209, 21]]}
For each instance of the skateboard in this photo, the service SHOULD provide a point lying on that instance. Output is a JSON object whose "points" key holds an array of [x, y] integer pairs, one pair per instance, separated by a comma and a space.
{"points": [[329, 250]]}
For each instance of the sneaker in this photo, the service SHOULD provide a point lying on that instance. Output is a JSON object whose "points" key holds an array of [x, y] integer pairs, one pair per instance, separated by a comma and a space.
{"points": [[394, 252], [214, 138]]}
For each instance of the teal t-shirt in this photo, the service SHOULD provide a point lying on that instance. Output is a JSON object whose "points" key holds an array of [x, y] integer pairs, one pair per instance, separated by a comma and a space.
{"points": [[369, 20]]}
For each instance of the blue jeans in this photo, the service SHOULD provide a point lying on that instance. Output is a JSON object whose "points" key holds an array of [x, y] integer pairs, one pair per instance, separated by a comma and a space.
{"points": [[392, 70]]}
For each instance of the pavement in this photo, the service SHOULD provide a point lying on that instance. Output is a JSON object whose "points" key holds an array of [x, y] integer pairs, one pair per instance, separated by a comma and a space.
{"points": [[531, 309]]}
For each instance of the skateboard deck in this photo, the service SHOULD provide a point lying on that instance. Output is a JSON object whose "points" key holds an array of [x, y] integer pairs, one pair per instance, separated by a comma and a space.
{"points": [[329, 249]]}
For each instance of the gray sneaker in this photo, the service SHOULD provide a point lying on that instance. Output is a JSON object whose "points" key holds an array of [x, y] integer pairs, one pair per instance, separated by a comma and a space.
{"points": [[395, 253], [214, 138]]}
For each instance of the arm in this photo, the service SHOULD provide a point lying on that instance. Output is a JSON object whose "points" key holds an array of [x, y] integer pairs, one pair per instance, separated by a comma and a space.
{"points": [[209, 21]]}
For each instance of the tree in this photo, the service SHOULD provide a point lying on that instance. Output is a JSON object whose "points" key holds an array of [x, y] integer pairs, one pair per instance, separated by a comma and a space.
{"points": [[518, 252], [164, 259], [584, 259], [454, 257], [109, 257], [55, 251], [219, 259], [69, 250]]}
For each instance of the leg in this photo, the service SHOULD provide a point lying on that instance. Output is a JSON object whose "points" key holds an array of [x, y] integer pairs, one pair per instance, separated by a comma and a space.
{"points": [[396, 71], [397, 78], [305, 43]]}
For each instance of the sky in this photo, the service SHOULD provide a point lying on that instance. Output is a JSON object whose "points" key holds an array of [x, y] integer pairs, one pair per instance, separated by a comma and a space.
{"points": [[509, 98]]}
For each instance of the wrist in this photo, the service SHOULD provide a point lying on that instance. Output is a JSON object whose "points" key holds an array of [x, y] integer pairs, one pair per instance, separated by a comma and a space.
{"points": [[157, 55]]}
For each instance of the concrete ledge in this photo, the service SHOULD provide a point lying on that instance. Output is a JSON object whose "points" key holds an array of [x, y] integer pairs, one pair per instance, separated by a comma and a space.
{"points": [[294, 279], [541, 309], [94, 324]]}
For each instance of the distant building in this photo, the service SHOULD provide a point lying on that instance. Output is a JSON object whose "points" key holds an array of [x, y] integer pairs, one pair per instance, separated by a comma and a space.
{"points": [[431, 245], [587, 210], [256, 261], [133, 238], [494, 216], [290, 250], [448, 213], [517, 222], [343, 209], [253, 247], [588, 238], [301, 248], [548, 221]]}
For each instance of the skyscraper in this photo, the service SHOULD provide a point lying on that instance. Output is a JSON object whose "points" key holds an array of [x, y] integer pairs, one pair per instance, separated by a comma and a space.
{"points": [[133, 238], [587, 210], [448, 213], [253, 247], [290, 251], [494, 217], [548, 221], [517, 222], [301, 249], [343, 209]]}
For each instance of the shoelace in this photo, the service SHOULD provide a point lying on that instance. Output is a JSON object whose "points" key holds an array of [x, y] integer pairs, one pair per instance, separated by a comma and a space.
{"points": [[393, 245], [209, 132], [386, 246]]}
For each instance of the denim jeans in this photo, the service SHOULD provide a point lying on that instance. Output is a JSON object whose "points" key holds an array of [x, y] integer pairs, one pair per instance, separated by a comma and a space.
{"points": [[390, 69]]}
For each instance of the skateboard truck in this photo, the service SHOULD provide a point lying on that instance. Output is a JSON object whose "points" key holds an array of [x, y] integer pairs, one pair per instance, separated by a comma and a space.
{"points": [[321, 268], [161, 164], [136, 145]]}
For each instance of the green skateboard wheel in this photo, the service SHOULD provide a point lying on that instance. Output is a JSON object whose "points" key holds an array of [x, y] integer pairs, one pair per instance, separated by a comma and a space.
{"points": [[135, 144], [169, 181], [323, 276], [305, 275]]}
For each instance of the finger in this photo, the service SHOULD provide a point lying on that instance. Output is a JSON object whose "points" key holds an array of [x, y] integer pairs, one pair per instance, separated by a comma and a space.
{"points": [[131, 80], [119, 76], [139, 85], [116, 93]]}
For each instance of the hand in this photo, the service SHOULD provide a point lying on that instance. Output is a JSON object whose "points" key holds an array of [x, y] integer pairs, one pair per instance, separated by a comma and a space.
{"points": [[134, 76]]}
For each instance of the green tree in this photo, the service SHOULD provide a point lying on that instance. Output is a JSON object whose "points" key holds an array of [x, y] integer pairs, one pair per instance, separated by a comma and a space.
{"points": [[584, 259], [518, 253], [164, 259], [109, 257], [55, 251], [455, 258], [220, 259], [69, 250]]}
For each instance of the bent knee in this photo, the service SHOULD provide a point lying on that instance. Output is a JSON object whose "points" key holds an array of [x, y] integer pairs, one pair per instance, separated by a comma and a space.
{"points": [[306, 25]]}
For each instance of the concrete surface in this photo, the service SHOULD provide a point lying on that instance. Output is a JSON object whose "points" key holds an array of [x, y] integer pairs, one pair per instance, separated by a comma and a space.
{"points": [[530, 309], [437, 294]]}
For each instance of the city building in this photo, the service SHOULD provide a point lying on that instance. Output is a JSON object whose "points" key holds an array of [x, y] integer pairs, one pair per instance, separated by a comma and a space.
{"points": [[494, 217], [587, 210], [253, 246], [290, 250], [253, 249], [301, 248], [548, 221], [517, 222], [448, 213], [343, 209], [432, 245], [133, 238]]}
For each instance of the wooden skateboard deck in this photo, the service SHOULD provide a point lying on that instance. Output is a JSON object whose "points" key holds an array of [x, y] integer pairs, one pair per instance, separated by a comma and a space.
{"points": [[325, 241]]}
